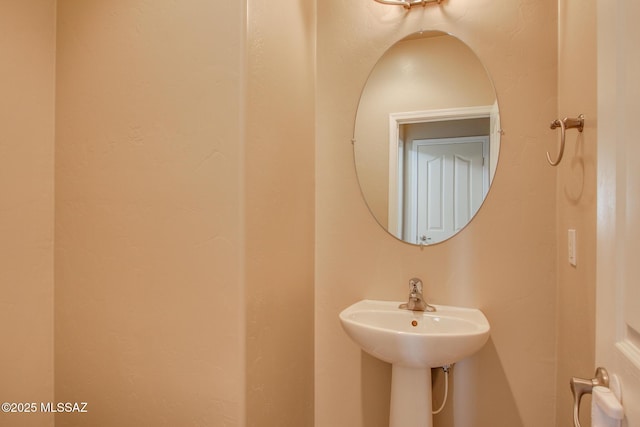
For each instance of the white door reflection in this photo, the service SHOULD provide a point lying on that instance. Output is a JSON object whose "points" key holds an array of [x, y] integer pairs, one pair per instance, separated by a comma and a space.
{"points": [[448, 180]]}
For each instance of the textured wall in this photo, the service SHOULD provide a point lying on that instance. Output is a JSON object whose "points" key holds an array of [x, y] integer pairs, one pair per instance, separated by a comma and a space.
{"points": [[27, 49], [149, 315], [576, 192], [503, 263], [279, 206]]}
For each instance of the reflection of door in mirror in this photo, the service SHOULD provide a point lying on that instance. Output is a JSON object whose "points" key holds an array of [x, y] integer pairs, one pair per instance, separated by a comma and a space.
{"points": [[443, 169], [446, 181]]}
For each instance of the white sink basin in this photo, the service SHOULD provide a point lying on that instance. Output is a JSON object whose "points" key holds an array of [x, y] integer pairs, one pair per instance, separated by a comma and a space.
{"points": [[415, 339]]}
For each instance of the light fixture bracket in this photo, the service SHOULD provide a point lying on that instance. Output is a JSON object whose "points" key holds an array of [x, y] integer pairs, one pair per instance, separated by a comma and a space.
{"points": [[408, 4]]}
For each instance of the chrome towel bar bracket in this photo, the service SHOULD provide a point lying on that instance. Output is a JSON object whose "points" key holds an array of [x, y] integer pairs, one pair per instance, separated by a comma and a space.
{"points": [[564, 124]]}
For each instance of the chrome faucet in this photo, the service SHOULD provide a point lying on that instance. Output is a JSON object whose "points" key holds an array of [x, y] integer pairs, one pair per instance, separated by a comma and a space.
{"points": [[416, 300]]}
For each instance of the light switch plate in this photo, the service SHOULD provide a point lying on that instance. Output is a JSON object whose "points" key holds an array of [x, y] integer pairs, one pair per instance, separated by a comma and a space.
{"points": [[571, 238]]}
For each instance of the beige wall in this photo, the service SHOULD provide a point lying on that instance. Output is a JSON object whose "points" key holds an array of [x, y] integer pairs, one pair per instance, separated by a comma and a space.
{"points": [[27, 49], [185, 213], [149, 309], [576, 193], [503, 263], [279, 205]]}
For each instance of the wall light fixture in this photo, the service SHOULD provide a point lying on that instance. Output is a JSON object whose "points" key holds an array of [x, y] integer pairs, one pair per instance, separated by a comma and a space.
{"points": [[407, 4]]}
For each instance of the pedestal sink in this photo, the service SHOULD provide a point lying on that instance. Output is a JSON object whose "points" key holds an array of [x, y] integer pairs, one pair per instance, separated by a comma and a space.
{"points": [[414, 342]]}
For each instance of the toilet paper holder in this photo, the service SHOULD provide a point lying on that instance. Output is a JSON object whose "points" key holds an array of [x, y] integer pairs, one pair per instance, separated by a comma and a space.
{"points": [[582, 386]]}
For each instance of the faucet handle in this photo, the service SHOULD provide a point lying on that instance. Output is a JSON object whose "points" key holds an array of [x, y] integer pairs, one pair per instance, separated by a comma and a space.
{"points": [[415, 286]]}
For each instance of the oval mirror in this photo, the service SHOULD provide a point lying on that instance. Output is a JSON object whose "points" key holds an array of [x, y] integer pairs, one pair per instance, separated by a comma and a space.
{"points": [[426, 137]]}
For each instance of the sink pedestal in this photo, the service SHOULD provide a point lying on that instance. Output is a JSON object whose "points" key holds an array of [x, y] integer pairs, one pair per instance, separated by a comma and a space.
{"points": [[410, 397]]}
